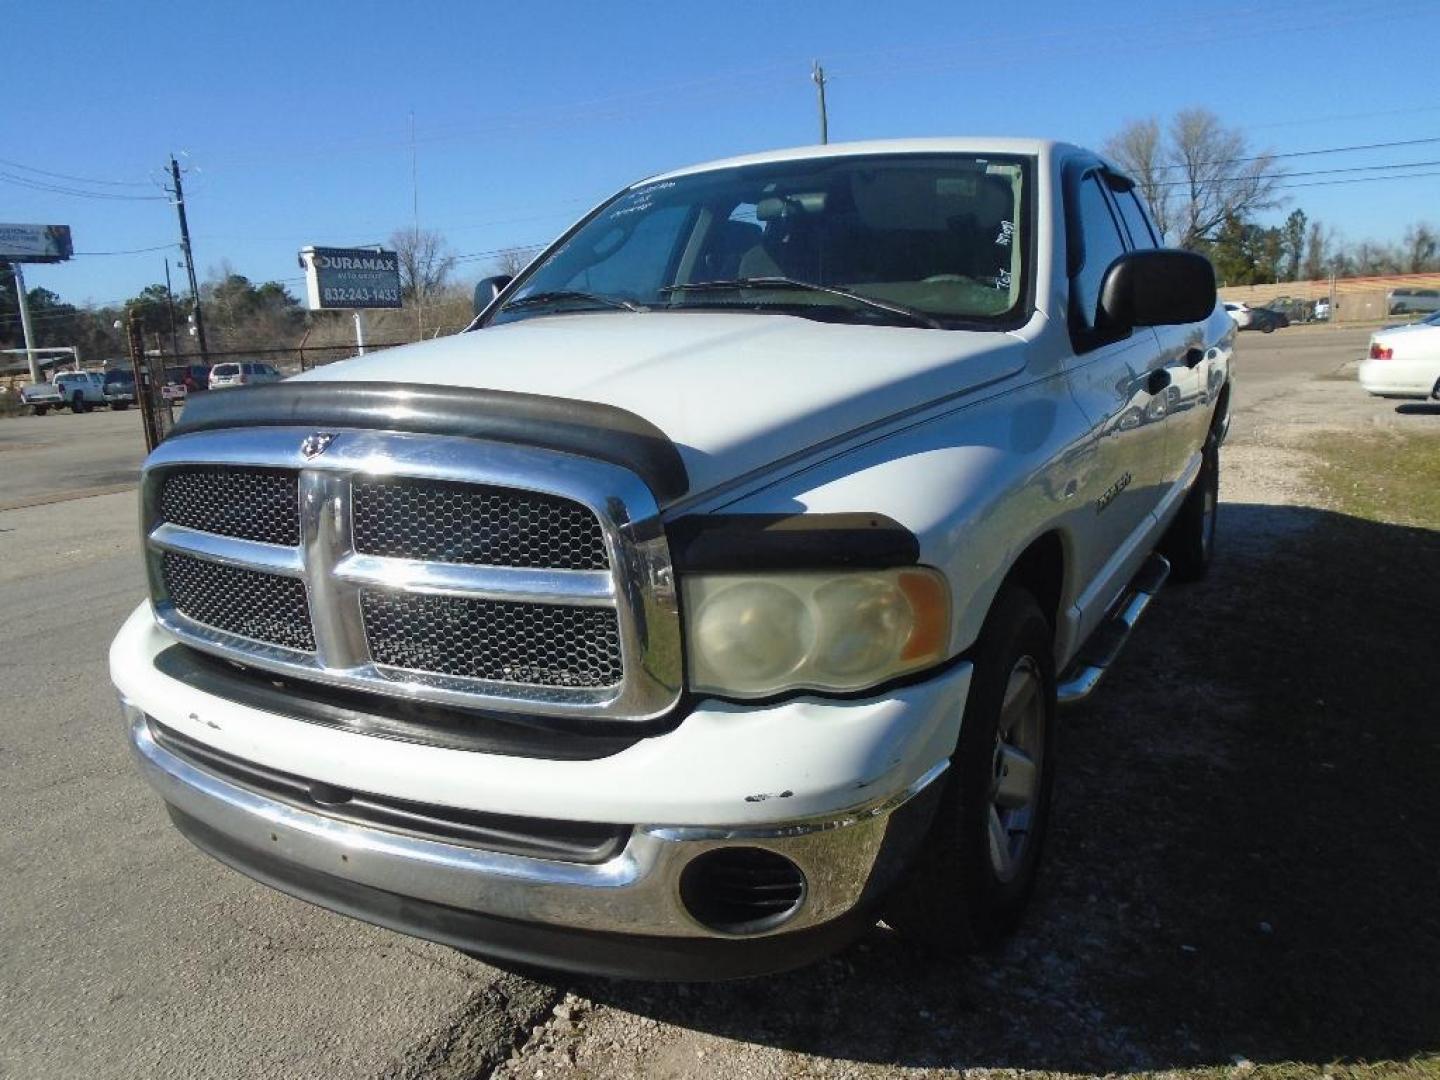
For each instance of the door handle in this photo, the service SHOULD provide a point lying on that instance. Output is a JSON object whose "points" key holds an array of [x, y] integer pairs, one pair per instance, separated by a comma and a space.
{"points": [[1158, 380], [1193, 356]]}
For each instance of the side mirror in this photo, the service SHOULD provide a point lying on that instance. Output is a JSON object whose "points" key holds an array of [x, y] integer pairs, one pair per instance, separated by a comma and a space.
{"points": [[487, 289], [1157, 288]]}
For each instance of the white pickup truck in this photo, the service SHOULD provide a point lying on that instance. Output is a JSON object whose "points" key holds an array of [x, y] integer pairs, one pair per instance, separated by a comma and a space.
{"points": [[715, 593], [80, 390]]}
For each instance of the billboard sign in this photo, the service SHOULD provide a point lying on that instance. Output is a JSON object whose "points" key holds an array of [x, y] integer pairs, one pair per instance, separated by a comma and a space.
{"points": [[35, 243], [350, 278]]}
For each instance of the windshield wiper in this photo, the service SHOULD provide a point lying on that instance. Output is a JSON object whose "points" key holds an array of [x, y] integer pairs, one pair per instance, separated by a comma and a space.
{"points": [[557, 296], [913, 314]]}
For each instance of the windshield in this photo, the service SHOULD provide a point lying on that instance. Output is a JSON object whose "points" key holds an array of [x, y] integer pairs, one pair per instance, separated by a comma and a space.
{"points": [[225, 369], [935, 239]]}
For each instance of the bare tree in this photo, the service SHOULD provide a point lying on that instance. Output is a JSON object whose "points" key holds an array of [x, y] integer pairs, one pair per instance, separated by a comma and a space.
{"points": [[1420, 250], [425, 262], [512, 260], [1138, 149], [1196, 174], [1317, 253]]}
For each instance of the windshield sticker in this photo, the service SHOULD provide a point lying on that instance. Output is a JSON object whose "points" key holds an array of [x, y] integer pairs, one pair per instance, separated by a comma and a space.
{"points": [[1002, 279], [1007, 233]]}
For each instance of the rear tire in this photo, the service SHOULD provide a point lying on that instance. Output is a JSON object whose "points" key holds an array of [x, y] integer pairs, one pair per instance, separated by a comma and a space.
{"points": [[1190, 542], [976, 869]]}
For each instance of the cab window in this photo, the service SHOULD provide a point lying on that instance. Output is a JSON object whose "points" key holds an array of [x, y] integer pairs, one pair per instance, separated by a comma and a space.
{"points": [[1101, 244]]}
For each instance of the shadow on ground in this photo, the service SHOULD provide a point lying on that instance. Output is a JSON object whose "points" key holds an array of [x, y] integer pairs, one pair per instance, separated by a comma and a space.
{"points": [[1419, 408], [1244, 856]]}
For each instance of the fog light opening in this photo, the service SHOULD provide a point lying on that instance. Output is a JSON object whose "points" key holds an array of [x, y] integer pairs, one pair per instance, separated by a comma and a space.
{"points": [[742, 890]]}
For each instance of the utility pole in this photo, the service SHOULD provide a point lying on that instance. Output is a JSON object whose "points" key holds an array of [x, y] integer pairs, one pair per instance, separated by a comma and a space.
{"points": [[179, 193], [24, 302], [817, 75], [170, 307], [414, 234]]}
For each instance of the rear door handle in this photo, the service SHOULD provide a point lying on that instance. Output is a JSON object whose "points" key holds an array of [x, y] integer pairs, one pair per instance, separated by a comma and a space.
{"points": [[1193, 356], [1159, 379]]}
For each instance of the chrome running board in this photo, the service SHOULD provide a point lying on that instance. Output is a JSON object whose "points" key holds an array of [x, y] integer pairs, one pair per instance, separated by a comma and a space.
{"points": [[1102, 648]]}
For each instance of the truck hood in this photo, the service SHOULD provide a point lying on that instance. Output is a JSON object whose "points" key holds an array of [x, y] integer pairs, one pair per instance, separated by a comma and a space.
{"points": [[735, 392]]}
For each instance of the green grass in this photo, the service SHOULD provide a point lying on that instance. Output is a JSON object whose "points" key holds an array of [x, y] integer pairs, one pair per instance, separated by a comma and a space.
{"points": [[1385, 476]]}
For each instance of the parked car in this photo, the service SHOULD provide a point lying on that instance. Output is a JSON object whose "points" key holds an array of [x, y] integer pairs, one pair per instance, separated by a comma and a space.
{"points": [[731, 567], [1255, 318], [181, 382], [1402, 301], [1404, 361], [119, 389], [1322, 309], [81, 390], [1276, 315], [243, 373], [41, 397], [1291, 310]]}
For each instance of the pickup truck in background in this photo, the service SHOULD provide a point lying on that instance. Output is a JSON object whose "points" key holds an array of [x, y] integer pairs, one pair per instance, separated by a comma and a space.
{"points": [[81, 391], [41, 397], [715, 593]]}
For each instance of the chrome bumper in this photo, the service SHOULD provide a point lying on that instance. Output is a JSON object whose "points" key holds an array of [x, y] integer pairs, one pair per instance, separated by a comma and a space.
{"points": [[847, 859]]}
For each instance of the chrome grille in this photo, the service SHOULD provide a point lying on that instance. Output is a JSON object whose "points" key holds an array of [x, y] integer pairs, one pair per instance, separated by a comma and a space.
{"points": [[245, 603], [537, 644], [250, 504], [435, 568], [465, 523]]}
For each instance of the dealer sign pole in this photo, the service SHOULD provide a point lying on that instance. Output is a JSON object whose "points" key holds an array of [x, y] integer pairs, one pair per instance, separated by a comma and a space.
{"points": [[24, 302]]}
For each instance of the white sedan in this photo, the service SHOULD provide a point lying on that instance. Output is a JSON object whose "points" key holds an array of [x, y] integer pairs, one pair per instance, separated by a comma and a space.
{"points": [[1404, 361]]}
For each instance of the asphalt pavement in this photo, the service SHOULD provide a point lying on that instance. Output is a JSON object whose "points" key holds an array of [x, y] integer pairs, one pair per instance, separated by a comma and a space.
{"points": [[126, 952]]}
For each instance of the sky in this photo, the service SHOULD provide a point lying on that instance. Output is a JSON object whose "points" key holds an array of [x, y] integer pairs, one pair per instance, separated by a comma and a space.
{"points": [[293, 121]]}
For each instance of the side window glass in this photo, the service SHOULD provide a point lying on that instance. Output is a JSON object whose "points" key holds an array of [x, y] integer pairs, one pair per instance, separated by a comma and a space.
{"points": [[1103, 245], [1136, 223]]}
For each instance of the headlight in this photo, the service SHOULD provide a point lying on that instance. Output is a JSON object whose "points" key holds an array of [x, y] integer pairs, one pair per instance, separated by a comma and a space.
{"points": [[749, 635]]}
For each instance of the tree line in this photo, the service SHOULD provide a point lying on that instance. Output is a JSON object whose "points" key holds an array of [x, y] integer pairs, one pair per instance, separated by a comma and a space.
{"points": [[1205, 185]]}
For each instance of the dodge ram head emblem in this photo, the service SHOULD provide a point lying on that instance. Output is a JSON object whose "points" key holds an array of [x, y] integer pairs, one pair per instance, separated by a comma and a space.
{"points": [[315, 445]]}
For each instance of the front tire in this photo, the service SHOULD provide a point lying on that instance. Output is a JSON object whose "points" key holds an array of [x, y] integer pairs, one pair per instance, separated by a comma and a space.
{"points": [[1190, 542], [976, 870]]}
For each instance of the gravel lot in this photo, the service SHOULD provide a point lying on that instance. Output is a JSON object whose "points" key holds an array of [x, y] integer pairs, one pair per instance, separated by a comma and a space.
{"points": [[1242, 867]]}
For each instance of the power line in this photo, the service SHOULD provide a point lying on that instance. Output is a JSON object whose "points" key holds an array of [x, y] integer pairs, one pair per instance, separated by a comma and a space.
{"points": [[1302, 153], [56, 189], [1361, 180], [76, 179], [130, 251], [1310, 172]]}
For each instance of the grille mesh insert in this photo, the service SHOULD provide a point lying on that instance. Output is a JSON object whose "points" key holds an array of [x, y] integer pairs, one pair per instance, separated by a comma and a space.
{"points": [[264, 607], [251, 504], [502, 641], [440, 521]]}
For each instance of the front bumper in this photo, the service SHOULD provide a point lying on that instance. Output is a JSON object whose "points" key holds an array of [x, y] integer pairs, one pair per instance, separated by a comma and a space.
{"points": [[624, 916]]}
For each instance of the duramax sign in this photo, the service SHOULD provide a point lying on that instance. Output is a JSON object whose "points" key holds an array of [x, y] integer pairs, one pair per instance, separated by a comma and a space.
{"points": [[35, 243], [351, 277]]}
